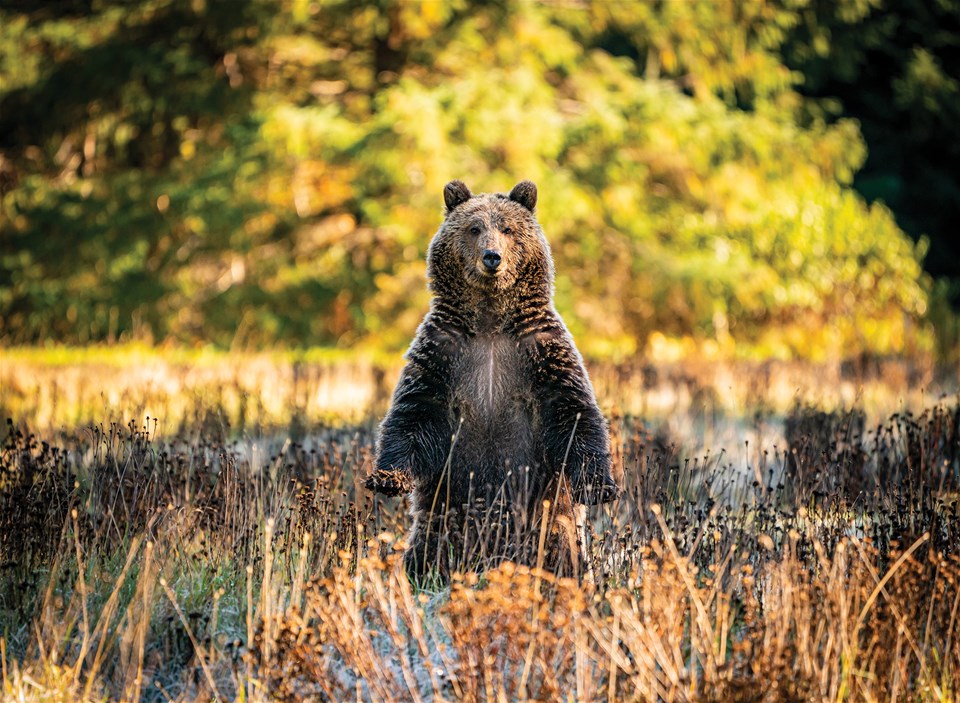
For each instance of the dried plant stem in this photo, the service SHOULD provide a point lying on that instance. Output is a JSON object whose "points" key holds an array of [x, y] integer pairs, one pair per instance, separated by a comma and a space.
{"points": [[444, 477], [266, 595], [82, 587], [902, 624], [106, 617], [612, 670], [703, 619], [193, 640], [145, 587]]}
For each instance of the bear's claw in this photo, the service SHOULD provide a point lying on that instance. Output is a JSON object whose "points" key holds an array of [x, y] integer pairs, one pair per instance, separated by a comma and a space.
{"points": [[390, 482]]}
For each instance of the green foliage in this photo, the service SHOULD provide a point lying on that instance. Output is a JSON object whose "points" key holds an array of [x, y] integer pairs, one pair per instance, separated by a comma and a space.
{"points": [[261, 175], [893, 66]]}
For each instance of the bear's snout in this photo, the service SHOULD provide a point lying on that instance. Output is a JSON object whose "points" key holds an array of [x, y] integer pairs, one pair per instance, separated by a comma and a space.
{"points": [[491, 259]]}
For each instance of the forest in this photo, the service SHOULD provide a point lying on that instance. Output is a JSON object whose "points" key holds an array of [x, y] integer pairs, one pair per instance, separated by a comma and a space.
{"points": [[739, 179]]}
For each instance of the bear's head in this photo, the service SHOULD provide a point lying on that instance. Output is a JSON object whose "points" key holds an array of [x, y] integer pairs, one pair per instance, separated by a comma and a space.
{"points": [[490, 245]]}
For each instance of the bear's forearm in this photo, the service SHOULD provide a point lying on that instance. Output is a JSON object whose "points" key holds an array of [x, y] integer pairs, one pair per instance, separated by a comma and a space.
{"points": [[571, 419], [589, 469], [412, 442], [578, 440], [576, 437], [414, 436]]}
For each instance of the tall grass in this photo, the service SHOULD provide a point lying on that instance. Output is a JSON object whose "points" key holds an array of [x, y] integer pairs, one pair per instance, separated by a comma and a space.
{"points": [[819, 563], [289, 392]]}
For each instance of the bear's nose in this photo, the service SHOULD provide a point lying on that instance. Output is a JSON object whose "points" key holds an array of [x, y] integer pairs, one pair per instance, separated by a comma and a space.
{"points": [[491, 259]]}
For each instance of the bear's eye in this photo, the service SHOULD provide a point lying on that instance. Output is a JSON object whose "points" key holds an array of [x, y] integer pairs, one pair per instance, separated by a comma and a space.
{"points": [[507, 229], [475, 230]]}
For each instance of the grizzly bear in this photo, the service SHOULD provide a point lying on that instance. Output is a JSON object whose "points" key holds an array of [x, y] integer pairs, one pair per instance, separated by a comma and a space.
{"points": [[494, 413]]}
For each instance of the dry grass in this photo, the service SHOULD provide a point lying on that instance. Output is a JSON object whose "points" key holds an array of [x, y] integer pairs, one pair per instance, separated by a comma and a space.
{"points": [[183, 392], [287, 393], [212, 563]]}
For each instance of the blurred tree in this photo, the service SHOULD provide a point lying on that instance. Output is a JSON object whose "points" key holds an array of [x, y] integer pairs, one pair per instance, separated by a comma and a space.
{"points": [[894, 65], [268, 174]]}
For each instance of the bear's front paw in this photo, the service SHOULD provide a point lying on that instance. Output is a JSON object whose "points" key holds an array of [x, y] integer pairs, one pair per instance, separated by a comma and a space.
{"points": [[390, 482], [604, 491]]}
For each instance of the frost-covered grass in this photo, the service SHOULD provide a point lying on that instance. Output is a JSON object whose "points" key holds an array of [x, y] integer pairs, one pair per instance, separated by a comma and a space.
{"points": [[759, 554]]}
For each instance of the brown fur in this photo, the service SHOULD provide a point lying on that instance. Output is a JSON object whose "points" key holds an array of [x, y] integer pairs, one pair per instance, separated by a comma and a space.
{"points": [[494, 412]]}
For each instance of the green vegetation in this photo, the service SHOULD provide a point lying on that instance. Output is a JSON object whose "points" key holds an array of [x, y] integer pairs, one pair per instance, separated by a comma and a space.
{"points": [[248, 174], [893, 66]]}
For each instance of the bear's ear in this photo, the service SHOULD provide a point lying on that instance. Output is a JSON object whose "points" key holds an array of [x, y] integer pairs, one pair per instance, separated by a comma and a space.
{"points": [[525, 193], [455, 193]]}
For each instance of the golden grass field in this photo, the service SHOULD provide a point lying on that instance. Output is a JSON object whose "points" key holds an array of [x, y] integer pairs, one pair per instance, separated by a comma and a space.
{"points": [[186, 525]]}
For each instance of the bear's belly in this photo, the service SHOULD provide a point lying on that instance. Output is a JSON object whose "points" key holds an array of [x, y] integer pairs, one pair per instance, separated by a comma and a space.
{"points": [[494, 409]]}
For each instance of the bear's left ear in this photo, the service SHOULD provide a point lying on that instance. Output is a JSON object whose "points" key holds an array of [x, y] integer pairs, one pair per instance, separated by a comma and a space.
{"points": [[525, 193], [455, 193]]}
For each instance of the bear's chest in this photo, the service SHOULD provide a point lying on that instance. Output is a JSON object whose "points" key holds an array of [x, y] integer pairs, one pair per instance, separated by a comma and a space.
{"points": [[491, 384]]}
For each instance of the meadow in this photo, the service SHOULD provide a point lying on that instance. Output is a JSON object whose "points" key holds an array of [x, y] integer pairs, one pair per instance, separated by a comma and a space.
{"points": [[192, 526]]}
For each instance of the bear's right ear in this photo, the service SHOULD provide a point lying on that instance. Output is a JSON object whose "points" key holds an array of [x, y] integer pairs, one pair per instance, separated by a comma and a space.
{"points": [[455, 193], [525, 193]]}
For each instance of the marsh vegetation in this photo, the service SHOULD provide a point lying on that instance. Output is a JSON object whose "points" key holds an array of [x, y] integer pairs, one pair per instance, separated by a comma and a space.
{"points": [[766, 548]]}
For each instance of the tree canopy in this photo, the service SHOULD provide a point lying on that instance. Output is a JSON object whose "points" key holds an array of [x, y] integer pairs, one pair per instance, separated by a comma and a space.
{"points": [[253, 173]]}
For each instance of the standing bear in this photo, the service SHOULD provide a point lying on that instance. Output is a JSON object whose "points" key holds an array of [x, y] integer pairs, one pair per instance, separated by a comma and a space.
{"points": [[494, 413]]}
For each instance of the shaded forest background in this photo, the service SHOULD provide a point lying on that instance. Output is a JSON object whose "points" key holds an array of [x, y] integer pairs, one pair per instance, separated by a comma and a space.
{"points": [[747, 178]]}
